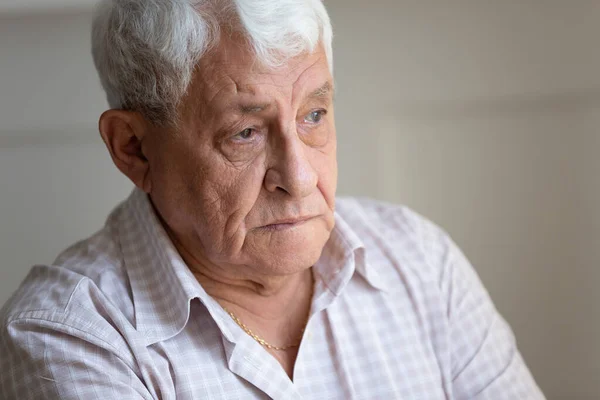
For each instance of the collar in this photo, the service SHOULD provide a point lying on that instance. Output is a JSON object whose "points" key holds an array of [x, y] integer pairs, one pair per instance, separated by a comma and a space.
{"points": [[343, 255], [161, 283], [163, 286]]}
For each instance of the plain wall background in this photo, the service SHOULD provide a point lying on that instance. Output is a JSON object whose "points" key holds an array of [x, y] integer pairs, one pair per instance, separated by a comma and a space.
{"points": [[483, 116]]}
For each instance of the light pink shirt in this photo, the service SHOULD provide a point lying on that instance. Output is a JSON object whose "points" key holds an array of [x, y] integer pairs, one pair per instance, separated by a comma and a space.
{"points": [[397, 313]]}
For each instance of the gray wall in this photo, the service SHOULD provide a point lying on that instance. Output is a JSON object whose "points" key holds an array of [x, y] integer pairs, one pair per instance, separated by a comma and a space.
{"points": [[483, 116]]}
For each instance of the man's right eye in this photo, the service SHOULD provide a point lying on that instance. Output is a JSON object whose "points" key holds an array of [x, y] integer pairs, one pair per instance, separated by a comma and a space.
{"points": [[245, 134]]}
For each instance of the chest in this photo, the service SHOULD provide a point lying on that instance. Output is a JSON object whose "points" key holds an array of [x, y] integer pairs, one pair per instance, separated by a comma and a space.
{"points": [[287, 359], [384, 348]]}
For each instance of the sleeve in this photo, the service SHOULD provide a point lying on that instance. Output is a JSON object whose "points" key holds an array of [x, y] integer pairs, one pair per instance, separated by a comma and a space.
{"points": [[486, 363], [42, 359]]}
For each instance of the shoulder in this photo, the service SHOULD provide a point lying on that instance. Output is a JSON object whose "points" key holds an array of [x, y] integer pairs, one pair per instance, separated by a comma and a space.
{"points": [[85, 275], [363, 210], [76, 312], [398, 237], [391, 221]]}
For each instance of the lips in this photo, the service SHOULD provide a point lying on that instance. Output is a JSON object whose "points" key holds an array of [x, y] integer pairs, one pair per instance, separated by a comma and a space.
{"points": [[287, 223], [291, 220]]}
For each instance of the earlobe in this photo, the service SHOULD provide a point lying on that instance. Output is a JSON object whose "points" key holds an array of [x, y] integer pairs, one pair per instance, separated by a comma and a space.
{"points": [[123, 133]]}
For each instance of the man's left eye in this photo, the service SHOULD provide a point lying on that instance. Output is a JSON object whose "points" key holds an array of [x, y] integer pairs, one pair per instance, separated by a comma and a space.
{"points": [[315, 117]]}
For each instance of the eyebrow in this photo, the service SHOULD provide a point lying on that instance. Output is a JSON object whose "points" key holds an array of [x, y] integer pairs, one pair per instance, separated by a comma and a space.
{"points": [[320, 93], [253, 108]]}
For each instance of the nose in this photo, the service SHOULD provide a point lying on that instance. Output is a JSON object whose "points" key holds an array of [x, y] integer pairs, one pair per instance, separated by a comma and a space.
{"points": [[290, 170]]}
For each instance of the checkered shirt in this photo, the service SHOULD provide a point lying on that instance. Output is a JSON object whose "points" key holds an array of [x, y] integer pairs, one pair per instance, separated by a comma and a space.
{"points": [[397, 313]]}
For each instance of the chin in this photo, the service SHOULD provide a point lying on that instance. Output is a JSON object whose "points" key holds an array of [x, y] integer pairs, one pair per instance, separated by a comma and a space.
{"points": [[288, 251]]}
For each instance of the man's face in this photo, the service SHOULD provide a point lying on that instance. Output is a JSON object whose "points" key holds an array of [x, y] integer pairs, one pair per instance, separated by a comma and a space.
{"points": [[249, 177]]}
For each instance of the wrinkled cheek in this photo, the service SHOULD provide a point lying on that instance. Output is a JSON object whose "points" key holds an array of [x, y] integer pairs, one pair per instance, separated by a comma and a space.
{"points": [[224, 216]]}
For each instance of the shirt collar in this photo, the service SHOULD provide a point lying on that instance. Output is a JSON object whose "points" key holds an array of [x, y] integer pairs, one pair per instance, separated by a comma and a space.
{"points": [[161, 283], [343, 255], [163, 286]]}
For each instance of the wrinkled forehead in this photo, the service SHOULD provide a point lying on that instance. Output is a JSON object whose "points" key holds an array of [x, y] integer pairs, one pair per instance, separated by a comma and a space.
{"points": [[231, 72]]}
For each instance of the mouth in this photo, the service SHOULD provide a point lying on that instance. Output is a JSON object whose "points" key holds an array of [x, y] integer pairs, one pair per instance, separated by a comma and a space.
{"points": [[286, 224]]}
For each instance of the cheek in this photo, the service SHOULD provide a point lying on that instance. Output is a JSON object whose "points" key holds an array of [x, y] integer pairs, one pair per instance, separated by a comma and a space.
{"points": [[200, 193], [170, 180], [225, 196], [325, 163], [328, 187]]}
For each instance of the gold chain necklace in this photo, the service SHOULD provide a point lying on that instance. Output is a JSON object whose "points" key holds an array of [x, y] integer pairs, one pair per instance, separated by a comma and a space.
{"points": [[260, 340]]}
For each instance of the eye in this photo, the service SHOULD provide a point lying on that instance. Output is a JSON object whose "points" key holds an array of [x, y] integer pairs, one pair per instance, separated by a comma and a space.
{"points": [[315, 117], [246, 134]]}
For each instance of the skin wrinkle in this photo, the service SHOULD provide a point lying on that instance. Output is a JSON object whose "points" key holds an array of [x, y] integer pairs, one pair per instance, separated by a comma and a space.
{"points": [[231, 232], [236, 219]]}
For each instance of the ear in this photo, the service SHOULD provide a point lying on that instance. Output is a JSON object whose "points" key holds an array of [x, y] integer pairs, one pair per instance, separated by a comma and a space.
{"points": [[123, 133]]}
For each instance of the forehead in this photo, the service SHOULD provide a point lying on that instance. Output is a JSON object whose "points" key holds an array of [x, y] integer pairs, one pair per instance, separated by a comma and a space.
{"points": [[231, 72]]}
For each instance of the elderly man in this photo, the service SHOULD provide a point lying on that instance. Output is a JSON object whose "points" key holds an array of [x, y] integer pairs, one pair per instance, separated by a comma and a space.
{"points": [[231, 272]]}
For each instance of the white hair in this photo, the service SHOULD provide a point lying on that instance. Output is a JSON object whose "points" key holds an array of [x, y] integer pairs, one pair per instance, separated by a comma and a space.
{"points": [[145, 51]]}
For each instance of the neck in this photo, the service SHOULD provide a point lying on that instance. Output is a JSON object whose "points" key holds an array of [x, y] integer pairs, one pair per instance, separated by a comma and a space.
{"points": [[242, 290], [263, 302], [274, 308]]}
